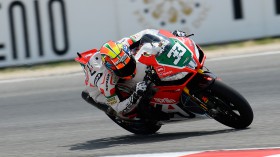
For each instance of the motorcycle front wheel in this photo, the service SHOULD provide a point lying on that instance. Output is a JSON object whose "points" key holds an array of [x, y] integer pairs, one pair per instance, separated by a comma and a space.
{"points": [[228, 106]]}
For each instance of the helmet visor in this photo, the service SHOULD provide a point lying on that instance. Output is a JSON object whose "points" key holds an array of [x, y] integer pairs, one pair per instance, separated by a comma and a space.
{"points": [[128, 69]]}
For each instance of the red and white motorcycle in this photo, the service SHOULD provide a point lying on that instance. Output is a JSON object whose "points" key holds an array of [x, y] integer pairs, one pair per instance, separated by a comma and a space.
{"points": [[197, 95]]}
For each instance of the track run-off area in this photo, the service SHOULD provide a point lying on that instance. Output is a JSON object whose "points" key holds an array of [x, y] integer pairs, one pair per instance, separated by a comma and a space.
{"points": [[46, 116]]}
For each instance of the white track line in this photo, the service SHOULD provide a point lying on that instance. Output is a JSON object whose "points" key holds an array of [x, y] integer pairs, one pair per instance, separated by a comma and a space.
{"points": [[175, 154], [243, 56]]}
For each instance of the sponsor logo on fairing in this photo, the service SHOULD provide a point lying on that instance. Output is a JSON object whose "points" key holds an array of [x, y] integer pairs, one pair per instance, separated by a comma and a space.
{"points": [[160, 69], [165, 100]]}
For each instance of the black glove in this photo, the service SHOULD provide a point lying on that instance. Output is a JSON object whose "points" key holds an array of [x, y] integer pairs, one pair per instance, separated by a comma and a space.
{"points": [[179, 33]]}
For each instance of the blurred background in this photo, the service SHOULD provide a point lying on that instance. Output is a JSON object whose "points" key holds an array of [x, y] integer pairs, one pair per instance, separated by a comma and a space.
{"points": [[40, 31], [41, 109]]}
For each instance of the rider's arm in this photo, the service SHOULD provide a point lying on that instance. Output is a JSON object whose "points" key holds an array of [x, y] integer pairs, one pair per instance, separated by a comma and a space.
{"points": [[103, 90], [133, 41], [129, 104]]}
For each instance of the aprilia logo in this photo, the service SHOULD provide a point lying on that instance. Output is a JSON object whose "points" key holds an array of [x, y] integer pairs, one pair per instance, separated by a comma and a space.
{"points": [[160, 69], [165, 100]]}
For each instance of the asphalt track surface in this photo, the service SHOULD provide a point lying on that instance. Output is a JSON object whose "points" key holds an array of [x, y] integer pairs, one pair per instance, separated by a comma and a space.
{"points": [[47, 117]]}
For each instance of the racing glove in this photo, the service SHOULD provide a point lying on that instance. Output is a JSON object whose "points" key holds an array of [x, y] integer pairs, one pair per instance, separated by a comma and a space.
{"points": [[141, 88], [132, 104]]}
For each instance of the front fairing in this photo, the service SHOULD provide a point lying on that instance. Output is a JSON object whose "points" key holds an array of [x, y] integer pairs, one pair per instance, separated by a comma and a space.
{"points": [[170, 55], [177, 54]]}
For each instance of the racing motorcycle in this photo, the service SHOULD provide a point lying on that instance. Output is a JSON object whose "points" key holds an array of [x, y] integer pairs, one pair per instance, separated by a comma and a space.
{"points": [[199, 94]]}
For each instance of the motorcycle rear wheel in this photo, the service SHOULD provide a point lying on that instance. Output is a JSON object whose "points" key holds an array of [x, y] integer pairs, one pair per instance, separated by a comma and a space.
{"points": [[232, 109], [140, 128]]}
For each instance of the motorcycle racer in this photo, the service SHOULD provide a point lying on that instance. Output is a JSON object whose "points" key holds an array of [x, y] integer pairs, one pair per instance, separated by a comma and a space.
{"points": [[115, 62], [115, 75]]}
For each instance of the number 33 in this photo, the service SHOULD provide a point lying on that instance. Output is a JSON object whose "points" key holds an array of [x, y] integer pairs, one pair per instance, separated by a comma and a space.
{"points": [[177, 52]]}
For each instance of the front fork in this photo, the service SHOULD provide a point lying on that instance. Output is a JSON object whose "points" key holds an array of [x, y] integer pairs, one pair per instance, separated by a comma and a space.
{"points": [[202, 81]]}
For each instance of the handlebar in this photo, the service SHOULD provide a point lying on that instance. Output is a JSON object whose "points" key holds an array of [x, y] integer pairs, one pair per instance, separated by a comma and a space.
{"points": [[148, 75], [149, 79], [151, 76]]}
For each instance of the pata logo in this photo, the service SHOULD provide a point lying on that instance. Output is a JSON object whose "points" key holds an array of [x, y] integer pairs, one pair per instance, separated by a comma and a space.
{"points": [[165, 100]]}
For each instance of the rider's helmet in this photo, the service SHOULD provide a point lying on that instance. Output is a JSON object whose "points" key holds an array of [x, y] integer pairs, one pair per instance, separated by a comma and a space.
{"points": [[118, 59]]}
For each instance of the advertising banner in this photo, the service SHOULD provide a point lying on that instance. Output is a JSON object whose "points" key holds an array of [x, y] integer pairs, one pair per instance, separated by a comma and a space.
{"points": [[40, 31]]}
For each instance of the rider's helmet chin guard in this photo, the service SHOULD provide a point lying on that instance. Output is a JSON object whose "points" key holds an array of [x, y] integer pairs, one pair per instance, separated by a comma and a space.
{"points": [[118, 59]]}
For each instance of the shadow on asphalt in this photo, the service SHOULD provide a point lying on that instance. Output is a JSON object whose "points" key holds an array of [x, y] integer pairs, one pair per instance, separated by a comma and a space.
{"points": [[140, 139]]}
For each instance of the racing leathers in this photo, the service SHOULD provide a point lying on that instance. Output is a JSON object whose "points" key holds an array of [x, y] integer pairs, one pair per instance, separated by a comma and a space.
{"points": [[101, 86], [102, 82]]}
